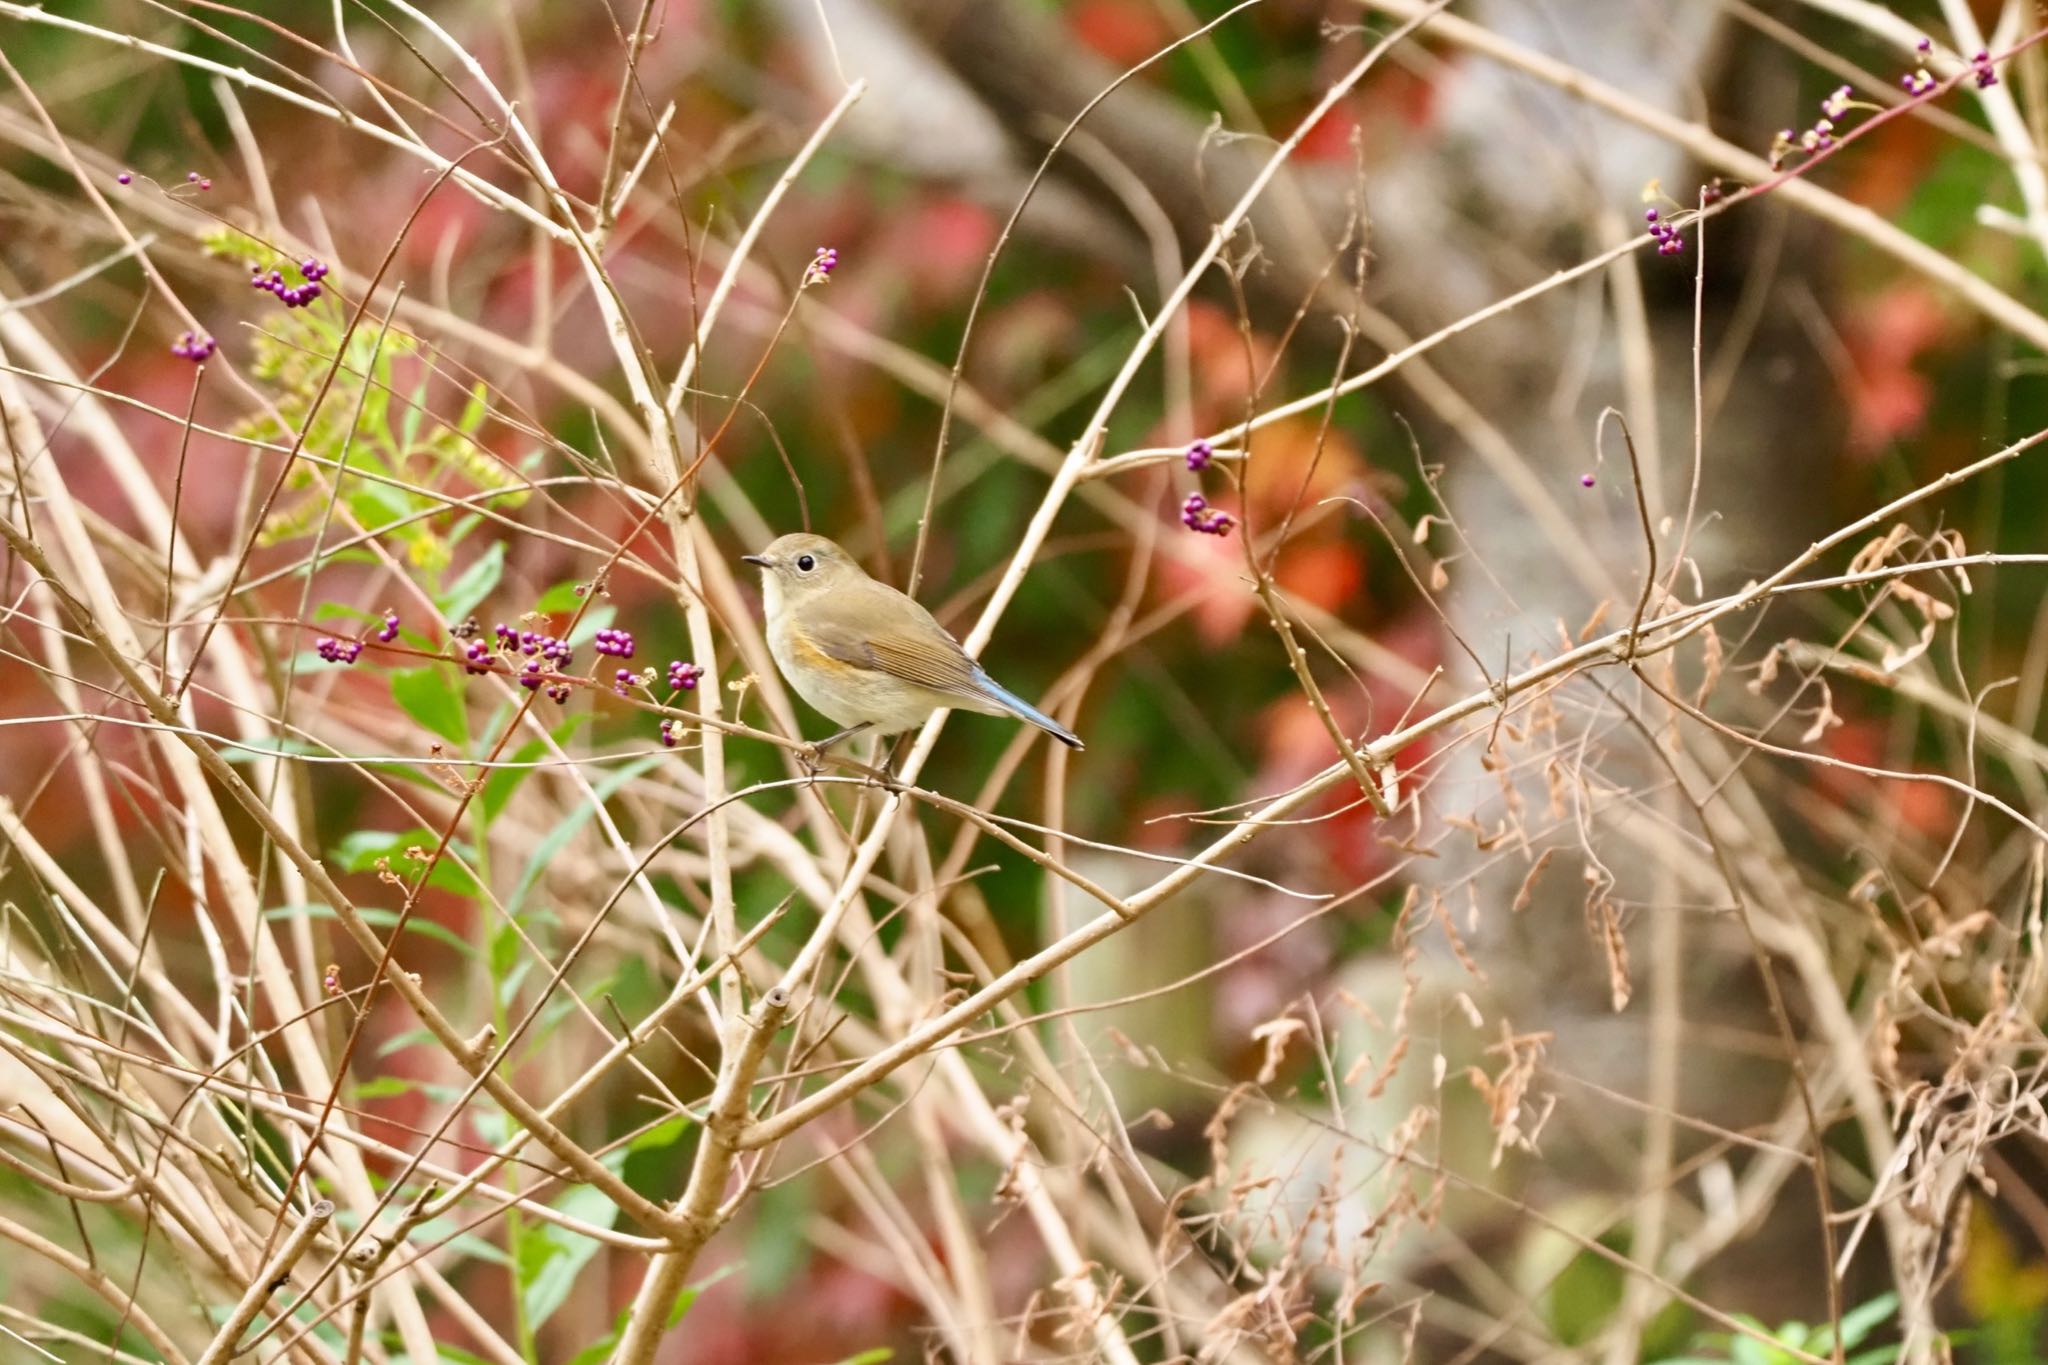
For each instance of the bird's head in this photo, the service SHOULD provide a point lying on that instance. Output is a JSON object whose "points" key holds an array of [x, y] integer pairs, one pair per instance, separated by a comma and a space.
{"points": [[800, 566]]}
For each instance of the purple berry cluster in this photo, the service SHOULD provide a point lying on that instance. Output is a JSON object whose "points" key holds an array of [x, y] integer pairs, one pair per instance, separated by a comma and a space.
{"points": [[545, 656], [623, 680], [682, 677], [533, 677], [1199, 454], [195, 178], [1669, 242], [292, 295], [822, 265], [1919, 82], [194, 346], [533, 644], [1821, 136], [338, 651], [618, 643], [1197, 515], [1980, 67], [670, 737], [388, 631]]}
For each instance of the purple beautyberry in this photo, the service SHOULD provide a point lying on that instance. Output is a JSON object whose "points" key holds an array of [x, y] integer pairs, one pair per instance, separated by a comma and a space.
{"points": [[624, 679], [822, 265], [1585, 480], [194, 346], [1926, 46], [338, 651], [615, 642], [388, 632], [477, 658], [1981, 65], [125, 178], [1199, 455], [530, 676], [205, 184], [1918, 82], [1665, 235], [558, 692], [668, 734], [1197, 515], [191, 177], [314, 269], [682, 677]]}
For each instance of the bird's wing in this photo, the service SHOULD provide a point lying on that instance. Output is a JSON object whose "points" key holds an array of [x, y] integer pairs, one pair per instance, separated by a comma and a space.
{"points": [[913, 646]]}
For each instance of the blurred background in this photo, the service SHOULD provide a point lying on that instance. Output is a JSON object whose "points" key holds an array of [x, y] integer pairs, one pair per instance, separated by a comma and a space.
{"points": [[1684, 1007]]}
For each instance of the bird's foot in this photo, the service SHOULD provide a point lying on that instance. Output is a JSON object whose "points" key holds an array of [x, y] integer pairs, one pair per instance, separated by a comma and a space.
{"points": [[812, 756]]}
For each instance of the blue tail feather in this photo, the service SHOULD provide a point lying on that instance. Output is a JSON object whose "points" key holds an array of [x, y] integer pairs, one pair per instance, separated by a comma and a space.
{"points": [[1024, 710]]}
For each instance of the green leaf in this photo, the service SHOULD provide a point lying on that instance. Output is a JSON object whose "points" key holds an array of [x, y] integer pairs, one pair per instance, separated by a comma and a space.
{"points": [[270, 746], [359, 852], [382, 919], [399, 1042], [1859, 1322], [594, 620], [558, 838], [873, 1356], [559, 599], [662, 1135], [475, 583], [433, 697], [1750, 1351], [415, 413], [550, 1257], [473, 411], [601, 1350], [502, 782]]}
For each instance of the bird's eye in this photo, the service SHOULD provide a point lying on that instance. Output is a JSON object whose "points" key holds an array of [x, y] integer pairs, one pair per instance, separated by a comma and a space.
{"points": [[805, 563]]}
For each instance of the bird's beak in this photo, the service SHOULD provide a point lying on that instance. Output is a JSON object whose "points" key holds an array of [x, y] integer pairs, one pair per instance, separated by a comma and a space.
{"points": [[761, 560]]}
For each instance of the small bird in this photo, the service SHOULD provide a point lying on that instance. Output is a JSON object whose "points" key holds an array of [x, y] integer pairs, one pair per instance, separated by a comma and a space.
{"points": [[866, 655]]}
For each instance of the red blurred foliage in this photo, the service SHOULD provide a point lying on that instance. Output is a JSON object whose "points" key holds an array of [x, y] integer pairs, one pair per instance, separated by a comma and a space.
{"points": [[1329, 575], [1124, 31], [1224, 370], [1296, 745], [1892, 163], [948, 237], [1214, 564], [1885, 336], [1926, 808], [1294, 465], [843, 1309], [1330, 138]]}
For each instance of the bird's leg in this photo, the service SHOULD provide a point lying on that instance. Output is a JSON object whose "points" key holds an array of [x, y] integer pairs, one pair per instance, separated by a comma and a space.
{"points": [[812, 756]]}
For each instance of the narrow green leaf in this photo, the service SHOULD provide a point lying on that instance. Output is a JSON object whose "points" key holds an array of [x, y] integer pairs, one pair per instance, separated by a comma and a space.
{"points": [[474, 584], [558, 838], [359, 852], [433, 696]]}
